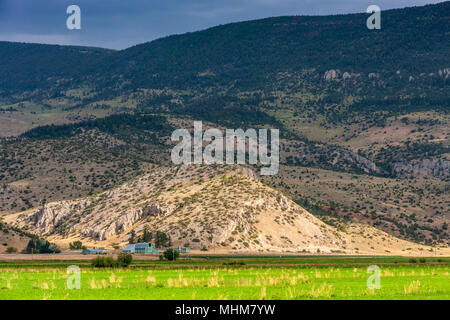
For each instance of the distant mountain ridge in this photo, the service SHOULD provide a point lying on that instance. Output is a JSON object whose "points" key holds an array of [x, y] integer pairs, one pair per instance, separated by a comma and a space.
{"points": [[244, 54], [29, 66]]}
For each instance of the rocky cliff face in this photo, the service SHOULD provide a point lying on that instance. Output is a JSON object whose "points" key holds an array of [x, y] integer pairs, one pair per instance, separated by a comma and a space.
{"points": [[50, 217], [331, 74], [119, 224], [357, 161], [326, 156], [64, 217], [423, 169]]}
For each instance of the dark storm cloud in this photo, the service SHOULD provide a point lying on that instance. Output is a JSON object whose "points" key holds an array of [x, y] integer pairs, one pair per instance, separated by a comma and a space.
{"points": [[119, 23]]}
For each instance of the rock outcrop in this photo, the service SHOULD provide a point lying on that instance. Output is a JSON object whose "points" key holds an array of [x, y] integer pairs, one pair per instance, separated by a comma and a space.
{"points": [[346, 75], [422, 169], [331, 74], [327, 156], [444, 73]]}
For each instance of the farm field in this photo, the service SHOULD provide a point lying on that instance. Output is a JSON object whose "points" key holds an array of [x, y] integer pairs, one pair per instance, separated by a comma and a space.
{"points": [[256, 278]]}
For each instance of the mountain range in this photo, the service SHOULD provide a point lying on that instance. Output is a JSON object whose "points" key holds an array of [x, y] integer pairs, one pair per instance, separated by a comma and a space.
{"points": [[363, 117]]}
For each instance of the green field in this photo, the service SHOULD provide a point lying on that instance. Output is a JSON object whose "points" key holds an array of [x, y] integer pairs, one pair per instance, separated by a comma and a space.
{"points": [[219, 278]]}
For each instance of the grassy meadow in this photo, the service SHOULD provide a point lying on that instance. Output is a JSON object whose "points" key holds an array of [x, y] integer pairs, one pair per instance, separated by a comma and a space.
{"points": [[220, 278], [205, 280]]}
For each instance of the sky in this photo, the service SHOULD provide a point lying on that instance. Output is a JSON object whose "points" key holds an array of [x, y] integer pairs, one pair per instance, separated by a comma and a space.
{"points": [[118, 24]]}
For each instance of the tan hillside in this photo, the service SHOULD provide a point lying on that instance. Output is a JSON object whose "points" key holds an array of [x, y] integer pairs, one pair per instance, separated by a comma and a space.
{"points": [[12, 239], [218, 208]]}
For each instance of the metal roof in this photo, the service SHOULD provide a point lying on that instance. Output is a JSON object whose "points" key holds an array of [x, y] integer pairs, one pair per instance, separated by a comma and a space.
{"points": [[93, 250], [141, 245], [129, 247]]}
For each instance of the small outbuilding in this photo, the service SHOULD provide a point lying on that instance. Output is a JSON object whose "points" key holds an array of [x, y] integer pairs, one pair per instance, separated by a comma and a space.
{"points": [[182, 249], [143, 248], [93, 251]]}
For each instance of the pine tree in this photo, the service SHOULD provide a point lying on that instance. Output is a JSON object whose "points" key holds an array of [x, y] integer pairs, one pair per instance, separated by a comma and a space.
{"points": [[147, 236], [132, 238]]}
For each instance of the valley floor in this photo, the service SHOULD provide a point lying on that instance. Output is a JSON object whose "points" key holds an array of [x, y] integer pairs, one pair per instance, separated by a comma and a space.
{"points": [[206, 278]]}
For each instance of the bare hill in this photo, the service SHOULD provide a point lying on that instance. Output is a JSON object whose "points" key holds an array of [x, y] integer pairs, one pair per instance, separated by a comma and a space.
{"points": [[211, 208]]}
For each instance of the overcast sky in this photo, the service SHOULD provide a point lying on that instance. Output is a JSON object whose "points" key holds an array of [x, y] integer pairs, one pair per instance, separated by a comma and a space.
{"points": [[122, 23]]}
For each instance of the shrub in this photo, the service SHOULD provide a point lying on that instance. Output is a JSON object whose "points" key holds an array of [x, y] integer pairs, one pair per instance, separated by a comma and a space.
{"points": [[234, 263], [124, 259], [76, 245], [104, 262], [412, 260], [11, 250], [171, 254]]}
